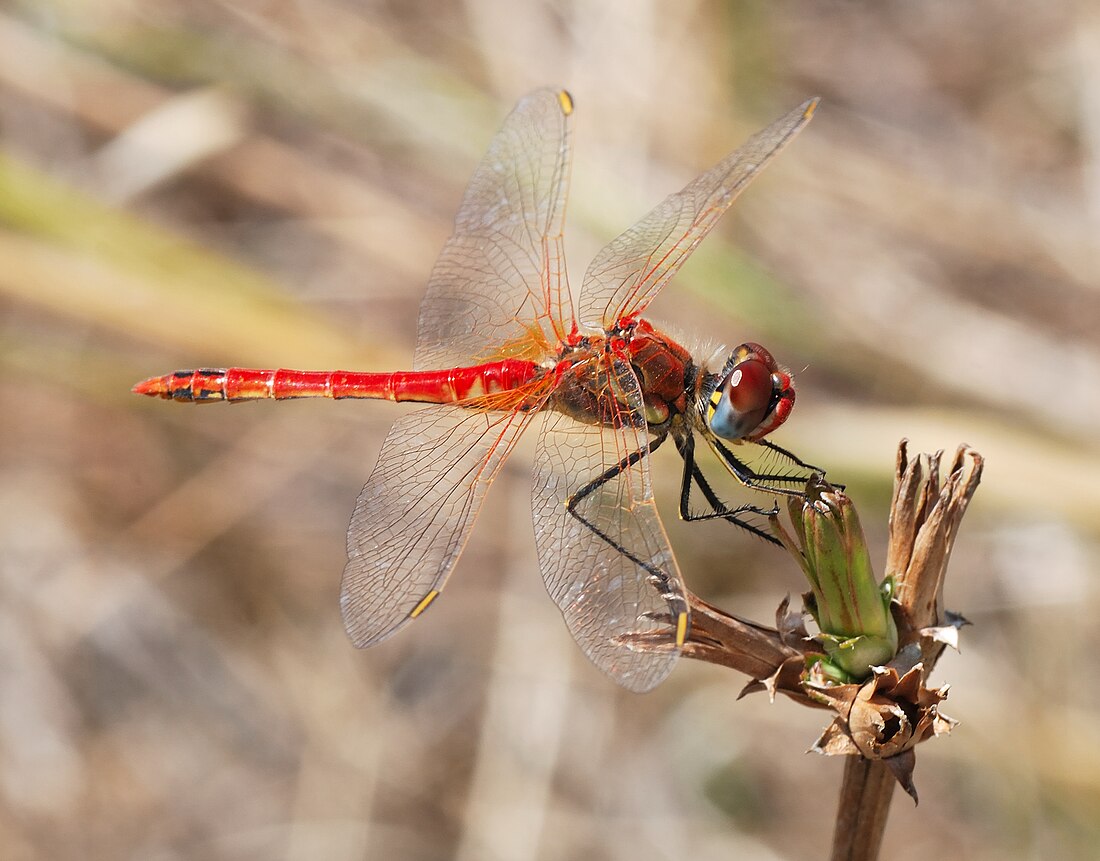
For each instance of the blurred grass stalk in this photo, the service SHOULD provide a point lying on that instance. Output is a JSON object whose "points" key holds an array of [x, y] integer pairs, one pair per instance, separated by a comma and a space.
{"points": [[66, 253]]}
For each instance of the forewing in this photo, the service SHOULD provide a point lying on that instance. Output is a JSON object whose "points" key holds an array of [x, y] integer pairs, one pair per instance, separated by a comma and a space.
{"points": [[626, 581], [415, 512], [501, 279], [625, 276]]}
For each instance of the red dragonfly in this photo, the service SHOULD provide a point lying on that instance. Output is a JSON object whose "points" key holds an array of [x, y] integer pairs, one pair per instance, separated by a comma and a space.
{"points": [[498, 338]]}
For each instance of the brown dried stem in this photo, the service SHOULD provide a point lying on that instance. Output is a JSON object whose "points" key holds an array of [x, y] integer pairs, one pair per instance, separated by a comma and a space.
{"points": [[773, 658], [866, 792]]}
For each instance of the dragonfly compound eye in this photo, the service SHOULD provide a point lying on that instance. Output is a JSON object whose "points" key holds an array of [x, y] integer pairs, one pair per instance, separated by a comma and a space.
{"points": [[753, 399], [741, 401]]}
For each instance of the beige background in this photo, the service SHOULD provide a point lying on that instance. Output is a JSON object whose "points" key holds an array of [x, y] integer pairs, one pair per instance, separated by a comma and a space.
{"points": [[217, 183]]}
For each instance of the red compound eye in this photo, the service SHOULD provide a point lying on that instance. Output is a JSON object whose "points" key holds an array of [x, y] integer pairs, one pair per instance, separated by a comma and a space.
{"points": [[750, 391], [742, 401]]}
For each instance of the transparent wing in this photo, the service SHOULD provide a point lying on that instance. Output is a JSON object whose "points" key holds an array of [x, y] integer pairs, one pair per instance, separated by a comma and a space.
{"points": [[625, 276], [415, 512], [625, 580], [500, 279], [497, 289]]}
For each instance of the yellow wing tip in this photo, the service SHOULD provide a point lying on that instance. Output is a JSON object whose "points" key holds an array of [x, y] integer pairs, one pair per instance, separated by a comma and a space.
{"points": [[566, 102], [681, 628], [425, 602], [811, 106]]}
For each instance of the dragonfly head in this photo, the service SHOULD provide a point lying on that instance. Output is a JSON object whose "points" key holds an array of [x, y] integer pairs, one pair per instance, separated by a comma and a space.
{"points": [[749, 398]]}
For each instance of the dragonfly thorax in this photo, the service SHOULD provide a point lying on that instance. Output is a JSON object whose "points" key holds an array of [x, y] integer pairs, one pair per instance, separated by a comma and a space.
{"points": [[595, 374], [749, 398]]}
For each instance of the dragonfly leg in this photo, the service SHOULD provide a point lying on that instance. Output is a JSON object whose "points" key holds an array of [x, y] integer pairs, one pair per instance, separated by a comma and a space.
{"points": [[785, 484], [668, 587], [791, 456], [693, 475]]}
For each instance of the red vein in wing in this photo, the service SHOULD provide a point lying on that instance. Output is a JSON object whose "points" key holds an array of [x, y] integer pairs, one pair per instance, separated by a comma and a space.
{"points": [[627, 307], [439, 522], [471, 477]]}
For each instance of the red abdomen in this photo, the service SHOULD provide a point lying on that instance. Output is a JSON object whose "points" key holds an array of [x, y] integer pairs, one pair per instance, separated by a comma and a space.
{"points": [[438, 387]]}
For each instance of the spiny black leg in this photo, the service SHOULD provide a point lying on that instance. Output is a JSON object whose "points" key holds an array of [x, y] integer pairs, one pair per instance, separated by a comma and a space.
{"points": [[778, 449], [758, 480], [611, 472], [686, 446], [668, 590]]}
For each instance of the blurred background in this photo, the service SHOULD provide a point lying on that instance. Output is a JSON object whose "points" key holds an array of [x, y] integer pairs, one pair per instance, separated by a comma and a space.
{"points": [[211, 183]]}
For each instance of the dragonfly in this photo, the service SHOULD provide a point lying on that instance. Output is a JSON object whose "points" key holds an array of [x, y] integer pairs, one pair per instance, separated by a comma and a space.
{"points": [[500, 341]]}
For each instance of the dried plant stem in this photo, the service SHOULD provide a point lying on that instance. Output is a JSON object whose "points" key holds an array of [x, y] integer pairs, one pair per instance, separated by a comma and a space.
{"points": [[863, 809]]}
